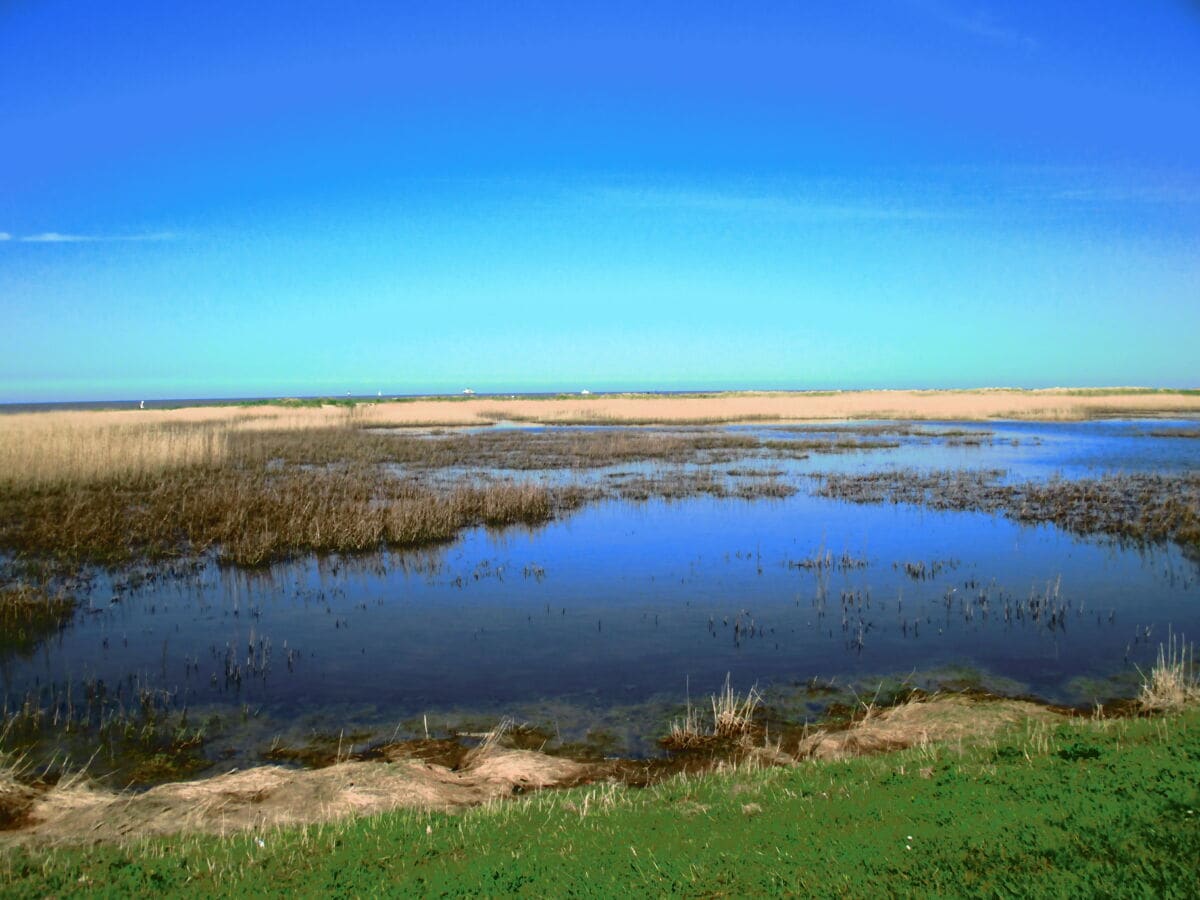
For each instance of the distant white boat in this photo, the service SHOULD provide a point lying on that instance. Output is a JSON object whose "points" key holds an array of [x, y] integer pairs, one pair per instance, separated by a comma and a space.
{"points": [[468, 391], [585, 392]]}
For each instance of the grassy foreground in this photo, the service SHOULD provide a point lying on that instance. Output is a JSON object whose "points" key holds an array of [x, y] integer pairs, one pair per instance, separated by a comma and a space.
{"points": [[1083, 808]]}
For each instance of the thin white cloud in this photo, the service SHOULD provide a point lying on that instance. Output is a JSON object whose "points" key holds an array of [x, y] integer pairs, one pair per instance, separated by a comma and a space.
{"points": [[1168, 194], [5, 236], [977, 21], [54, 237], [57, 237], [771, 205], [1080, 185]]}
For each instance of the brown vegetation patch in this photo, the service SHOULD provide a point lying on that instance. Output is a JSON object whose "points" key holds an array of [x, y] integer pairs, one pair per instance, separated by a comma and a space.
{"points": [[1174, 681], [432, 774], [16, 801], [252, 516], [273, 493], [1142, 507], [29, 614], [918, 722], [1193, 433], [516, 449], [732, 722], [272, 796]]}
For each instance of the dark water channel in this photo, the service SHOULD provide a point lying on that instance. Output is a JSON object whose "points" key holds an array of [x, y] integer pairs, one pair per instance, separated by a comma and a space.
{"points": [[604, 620]]}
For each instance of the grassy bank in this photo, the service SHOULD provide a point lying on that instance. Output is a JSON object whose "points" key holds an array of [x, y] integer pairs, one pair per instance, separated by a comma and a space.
{"points": [[1084, 807]]}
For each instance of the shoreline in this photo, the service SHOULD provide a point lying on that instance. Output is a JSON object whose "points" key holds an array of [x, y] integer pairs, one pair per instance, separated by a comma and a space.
{"points": [[447, 775], [1061, 808]]}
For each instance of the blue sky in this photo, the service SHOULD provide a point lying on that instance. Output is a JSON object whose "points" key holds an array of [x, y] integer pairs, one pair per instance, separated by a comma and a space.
{"points": [[306, 198]]}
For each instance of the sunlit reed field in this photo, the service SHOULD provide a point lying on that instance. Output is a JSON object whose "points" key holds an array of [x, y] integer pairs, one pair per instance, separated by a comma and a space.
{"points": [[54, 446]]}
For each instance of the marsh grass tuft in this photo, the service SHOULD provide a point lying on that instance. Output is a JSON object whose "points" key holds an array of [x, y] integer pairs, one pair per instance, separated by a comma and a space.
{"points": [[1173, 682], [732, 714], [732, 720]]}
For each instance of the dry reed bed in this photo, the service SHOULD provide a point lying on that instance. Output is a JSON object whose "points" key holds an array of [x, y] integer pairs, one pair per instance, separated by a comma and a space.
{"points": [[253, 493], [732, 722], [51, 449], [629, 409], [1139, 507], [516, 450], [523, 450], [679, 485], [251, 515], [1051, 404], [262, 483]]}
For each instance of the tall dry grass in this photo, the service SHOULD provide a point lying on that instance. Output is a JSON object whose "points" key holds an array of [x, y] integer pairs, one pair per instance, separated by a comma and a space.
{"points": [[1173, 682], [42, 449], [255, 484], [46, 449], [44, 453], [251, 516], [732, 719]]}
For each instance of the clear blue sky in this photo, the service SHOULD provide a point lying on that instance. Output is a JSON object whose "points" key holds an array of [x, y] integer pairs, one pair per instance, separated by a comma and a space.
{"points": [[298, 198]]}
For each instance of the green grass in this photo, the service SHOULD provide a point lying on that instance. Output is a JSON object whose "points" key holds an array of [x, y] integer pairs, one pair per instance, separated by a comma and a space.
{"points": [[301, 402], [1084, 809]]}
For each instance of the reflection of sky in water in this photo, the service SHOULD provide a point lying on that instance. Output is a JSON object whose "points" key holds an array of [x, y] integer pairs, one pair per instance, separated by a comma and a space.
{"points": [[612, 605]]}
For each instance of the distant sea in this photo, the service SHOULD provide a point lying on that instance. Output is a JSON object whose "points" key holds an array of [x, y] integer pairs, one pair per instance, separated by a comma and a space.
{"points": [[364, 398]]}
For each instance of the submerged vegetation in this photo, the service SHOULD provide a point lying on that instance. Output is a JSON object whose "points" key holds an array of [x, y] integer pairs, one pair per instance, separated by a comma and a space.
{"points": [[29, 614]]}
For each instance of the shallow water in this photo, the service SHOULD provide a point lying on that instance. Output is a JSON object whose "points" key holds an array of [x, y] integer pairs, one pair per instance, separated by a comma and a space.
{"points": [[613, 614]]}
